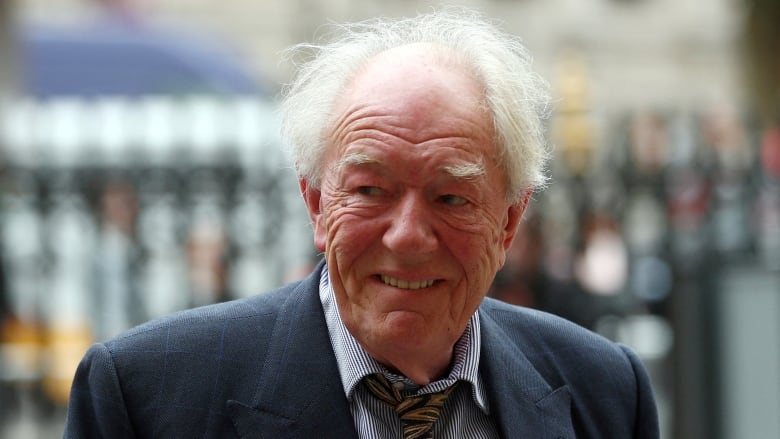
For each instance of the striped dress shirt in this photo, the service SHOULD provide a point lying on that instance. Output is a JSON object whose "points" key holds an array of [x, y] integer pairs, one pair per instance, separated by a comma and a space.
{"points": [[466, 413]]}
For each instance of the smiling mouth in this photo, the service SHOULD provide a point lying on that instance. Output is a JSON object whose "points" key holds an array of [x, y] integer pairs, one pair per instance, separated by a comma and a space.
{"points": [[405, 284]]}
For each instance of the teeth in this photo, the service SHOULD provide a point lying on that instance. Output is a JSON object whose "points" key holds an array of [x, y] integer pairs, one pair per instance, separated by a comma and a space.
{"points": [[405, 284]]}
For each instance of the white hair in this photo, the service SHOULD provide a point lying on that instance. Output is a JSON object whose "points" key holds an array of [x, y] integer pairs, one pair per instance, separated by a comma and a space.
{"points": [[516, 97]]}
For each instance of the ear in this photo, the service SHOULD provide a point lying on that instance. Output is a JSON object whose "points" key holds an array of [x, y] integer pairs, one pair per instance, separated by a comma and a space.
{"points": [[313, 199], [513, 216]]}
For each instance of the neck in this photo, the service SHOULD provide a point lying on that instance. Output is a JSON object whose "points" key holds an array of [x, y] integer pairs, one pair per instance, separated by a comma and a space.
{"points": [[422, 369]]}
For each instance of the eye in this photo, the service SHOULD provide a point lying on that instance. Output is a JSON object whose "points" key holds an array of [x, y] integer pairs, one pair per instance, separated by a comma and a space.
{"points": [[453, 200], [371, 191]]}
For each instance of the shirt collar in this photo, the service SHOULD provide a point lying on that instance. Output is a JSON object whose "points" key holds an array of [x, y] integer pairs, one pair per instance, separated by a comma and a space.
{"points": [[355, 363]]}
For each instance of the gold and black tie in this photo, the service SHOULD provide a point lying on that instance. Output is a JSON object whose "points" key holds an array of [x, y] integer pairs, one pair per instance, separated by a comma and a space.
{"points": [[417, 413]]}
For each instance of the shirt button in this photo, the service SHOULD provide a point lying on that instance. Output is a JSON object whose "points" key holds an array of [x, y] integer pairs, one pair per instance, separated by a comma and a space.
{"points": [[398, 385]]}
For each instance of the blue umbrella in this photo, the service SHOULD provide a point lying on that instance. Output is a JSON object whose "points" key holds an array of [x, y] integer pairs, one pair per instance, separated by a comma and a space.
{"points": [[128, 60]]}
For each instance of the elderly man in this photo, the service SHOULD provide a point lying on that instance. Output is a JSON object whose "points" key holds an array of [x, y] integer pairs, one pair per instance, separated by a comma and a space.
{"points": [[418, 143]]}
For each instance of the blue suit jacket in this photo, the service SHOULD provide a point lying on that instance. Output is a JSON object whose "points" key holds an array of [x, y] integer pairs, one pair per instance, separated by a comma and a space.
{"points": [[263, 367]]}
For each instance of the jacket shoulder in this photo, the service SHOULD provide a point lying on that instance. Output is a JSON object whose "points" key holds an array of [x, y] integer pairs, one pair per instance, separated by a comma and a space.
{"points": [[261, 308], [538, 329], [189, 362]]}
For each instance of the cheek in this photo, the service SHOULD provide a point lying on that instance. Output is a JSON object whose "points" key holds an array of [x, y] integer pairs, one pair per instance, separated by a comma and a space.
{"points": [[480, 256], [347, 233], [480, 243]]}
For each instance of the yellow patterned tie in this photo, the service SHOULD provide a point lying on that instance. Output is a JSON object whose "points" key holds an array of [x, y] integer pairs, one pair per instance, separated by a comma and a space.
{"points": [[417, 413]]}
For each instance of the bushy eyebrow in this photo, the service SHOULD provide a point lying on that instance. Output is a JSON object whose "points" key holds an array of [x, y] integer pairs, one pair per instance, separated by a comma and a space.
{"points": [[355, 158], [466, 171]]}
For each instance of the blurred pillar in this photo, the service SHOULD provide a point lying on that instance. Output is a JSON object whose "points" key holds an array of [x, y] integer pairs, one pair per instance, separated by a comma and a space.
{"points": [[762, 39], [695, 384]]}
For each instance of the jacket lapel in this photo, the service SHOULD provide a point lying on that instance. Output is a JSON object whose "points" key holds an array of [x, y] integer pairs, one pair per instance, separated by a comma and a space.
{"points": [[521, 400], [299, 392]]}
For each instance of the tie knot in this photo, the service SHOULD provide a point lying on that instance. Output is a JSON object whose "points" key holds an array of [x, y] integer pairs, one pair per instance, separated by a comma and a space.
{"points": [[417, 413]]}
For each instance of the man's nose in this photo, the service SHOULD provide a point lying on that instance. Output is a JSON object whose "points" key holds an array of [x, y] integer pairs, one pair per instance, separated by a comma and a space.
{"points": [[410, 231]]}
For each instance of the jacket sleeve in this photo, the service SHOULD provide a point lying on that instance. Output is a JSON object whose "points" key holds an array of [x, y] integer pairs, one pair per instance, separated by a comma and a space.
{"points": [[646, 424], [96, 407]]}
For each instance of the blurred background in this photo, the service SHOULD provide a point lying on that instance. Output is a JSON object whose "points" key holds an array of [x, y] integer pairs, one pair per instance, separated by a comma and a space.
{"points": [[141, 173]]}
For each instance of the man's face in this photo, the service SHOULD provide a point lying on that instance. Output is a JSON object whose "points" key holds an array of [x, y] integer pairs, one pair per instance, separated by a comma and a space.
{"points": [[412, 213]]}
